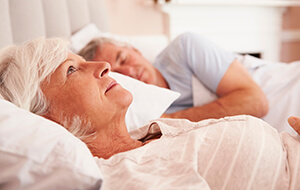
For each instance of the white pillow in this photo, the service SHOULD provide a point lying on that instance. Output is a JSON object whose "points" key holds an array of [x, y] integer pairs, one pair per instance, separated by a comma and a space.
{"points": [[36, 153], [149, 45], [149, 101]]}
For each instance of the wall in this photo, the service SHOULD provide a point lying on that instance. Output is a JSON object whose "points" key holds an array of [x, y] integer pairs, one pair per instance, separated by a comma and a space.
{"points": [[136, 17], [142, 17], [291, 35]]}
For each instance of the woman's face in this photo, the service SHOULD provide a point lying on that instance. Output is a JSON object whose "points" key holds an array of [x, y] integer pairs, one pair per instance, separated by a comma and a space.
{"points": [[80, 88]]}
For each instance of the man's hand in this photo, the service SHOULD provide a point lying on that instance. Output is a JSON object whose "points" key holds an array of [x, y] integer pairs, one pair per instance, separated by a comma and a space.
{"points": [[295, 123]]}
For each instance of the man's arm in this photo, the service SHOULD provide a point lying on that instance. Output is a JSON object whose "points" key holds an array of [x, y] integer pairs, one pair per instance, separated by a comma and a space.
{"points": [[238, 94]]}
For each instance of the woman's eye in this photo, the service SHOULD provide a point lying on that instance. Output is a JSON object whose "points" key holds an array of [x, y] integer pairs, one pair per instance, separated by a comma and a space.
{"points": [[71, 70], [123, 60]]}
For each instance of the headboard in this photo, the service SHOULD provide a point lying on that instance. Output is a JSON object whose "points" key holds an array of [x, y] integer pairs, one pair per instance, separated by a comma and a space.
{"points": [[22, 20]]}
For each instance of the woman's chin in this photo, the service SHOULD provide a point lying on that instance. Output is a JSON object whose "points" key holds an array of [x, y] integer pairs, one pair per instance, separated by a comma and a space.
{"points": [[125, 99], [128, 99]]}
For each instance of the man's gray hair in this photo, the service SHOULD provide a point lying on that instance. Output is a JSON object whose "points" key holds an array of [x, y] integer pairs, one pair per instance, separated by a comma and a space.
{"points": [[88, 51]]}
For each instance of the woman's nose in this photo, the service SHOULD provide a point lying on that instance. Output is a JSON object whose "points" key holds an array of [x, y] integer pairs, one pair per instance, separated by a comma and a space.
{"points": [[102, 68]]}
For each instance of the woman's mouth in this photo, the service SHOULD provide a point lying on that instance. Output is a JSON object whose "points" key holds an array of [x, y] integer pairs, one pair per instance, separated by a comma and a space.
{"points": [[111, 85]]}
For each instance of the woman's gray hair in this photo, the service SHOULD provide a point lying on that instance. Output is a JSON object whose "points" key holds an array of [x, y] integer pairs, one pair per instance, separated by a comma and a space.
{"points": [[24, 67], [88, 51]]}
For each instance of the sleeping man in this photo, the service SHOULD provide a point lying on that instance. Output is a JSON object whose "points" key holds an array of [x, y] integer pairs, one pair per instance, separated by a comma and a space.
{"points": [[239, 152], [213, 82]]}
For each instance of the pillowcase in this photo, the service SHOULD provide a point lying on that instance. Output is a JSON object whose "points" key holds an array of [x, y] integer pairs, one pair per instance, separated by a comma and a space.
{"points": [[149, 45], [149, 101], [39, 154]]}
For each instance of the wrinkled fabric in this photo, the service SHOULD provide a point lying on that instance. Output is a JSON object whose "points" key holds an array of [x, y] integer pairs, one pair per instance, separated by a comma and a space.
{"points": [[240, 152]]}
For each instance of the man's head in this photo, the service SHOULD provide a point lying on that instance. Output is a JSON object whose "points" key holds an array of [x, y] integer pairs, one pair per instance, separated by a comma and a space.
{"points": [[123, 58]]}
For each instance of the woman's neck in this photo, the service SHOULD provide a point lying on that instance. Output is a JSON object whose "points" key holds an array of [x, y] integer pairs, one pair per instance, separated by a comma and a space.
{"points": [[109, 151], [109, 144]]}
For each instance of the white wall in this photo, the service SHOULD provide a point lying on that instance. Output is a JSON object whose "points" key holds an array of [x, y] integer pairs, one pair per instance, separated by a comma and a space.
{"points": [[291, 35], [142, 17], [136, 17]]}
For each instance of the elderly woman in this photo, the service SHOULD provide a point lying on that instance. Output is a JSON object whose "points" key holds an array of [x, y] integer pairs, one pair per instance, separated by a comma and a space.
{"points": [[240, 152]]}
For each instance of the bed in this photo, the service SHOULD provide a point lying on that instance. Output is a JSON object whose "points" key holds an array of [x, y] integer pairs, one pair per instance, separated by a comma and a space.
{"points": [[36, 153]]}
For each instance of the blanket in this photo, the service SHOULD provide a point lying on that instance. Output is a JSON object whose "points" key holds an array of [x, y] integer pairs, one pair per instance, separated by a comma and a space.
{"points": [[279, 81], [240, 152]]}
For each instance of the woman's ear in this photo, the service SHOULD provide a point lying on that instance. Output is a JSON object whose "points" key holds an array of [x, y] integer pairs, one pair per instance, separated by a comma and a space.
{"points": [[295, 123]]}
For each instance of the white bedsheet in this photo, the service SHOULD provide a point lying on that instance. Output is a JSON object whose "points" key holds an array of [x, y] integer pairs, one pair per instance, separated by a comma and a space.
{"points": [[233, 153], [279, 81]]}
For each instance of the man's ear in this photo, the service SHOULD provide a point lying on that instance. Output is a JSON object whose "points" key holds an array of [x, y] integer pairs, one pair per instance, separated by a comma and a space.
{"points": [[295, 123]]}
